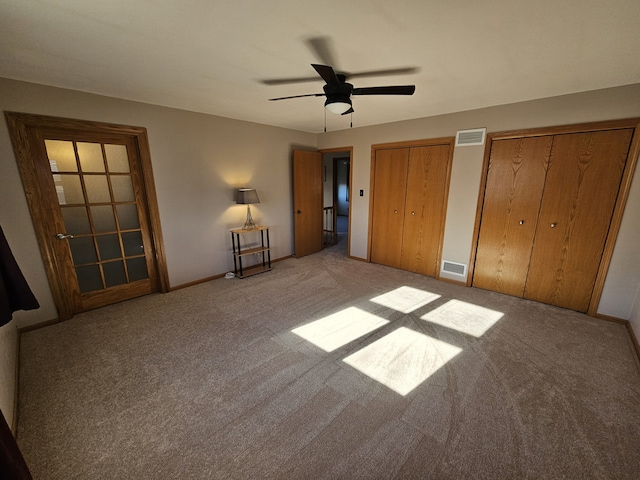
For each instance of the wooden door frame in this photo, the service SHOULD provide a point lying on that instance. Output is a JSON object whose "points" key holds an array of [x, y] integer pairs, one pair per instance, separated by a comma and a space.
{"points": [[18, 125], [621, 201], [408, 144], [350, 151]]}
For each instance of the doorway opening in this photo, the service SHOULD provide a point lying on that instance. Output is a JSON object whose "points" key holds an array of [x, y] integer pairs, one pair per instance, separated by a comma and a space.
{"points": [[337, 198]]}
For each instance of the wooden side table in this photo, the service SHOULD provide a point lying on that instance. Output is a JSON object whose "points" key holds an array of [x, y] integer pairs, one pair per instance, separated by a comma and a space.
{"points": [[239, 251]]}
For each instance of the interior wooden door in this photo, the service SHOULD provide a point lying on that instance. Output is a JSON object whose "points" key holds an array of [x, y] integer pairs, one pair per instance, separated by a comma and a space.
{"points": [[425, 208], [515, 183], [89, 198], [585, 171], [308, 197], [389, 190]]}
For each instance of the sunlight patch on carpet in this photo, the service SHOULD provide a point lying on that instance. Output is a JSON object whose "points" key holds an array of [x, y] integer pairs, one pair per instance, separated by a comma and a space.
{"points": [[464, 317], [405, 299], [334, 331], [403, 359]]}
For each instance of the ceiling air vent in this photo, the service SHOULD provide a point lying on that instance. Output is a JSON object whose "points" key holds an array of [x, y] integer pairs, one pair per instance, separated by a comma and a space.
{"points": [[466, 138], [454, 268]]}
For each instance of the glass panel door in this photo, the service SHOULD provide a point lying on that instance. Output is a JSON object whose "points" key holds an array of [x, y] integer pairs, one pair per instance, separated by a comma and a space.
{"points": [[95, 191], [92, 181]]}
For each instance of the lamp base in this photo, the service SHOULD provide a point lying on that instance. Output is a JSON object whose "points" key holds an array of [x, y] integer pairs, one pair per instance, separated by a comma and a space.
{"points": [[249, 224]]}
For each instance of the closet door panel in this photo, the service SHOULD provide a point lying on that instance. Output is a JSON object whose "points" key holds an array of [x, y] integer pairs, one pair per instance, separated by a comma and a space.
{"points": [[582, 185], [388, 205], [425, 208], [514, 187]]}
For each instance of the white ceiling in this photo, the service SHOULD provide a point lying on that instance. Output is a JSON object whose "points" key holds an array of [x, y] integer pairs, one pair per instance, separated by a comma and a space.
{"points": [[211, 55]]}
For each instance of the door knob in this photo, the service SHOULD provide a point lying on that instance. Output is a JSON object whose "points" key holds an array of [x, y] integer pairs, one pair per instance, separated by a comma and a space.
{"points": [[413, 213], [553, 225], [521, 222], [62, 236], [395, 211]]}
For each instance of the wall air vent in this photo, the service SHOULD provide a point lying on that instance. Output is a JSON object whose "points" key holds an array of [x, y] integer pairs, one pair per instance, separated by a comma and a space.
{"points": [[466, 138], [453, 268]]}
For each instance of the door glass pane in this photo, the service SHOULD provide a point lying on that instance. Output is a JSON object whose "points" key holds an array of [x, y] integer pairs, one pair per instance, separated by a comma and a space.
{"points": [[122, 188], [114, 273], [128, 217], [76, 221], [62, 158], [83, 250], [103, 219], [89, 278], [90, 157], [137, 269], [132, 242], [109, 246], [68, 189], [117, 158], [97, 188]]}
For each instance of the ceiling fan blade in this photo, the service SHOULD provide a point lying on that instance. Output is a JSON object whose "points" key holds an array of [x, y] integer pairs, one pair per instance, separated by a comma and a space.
{"points": [[383, 73], [390, 90], [351, 110], [323, 49], [328, 74], [285, 81], [298, 96]]}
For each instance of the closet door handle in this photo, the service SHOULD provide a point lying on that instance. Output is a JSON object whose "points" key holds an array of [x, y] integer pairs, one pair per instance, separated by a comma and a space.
{"points": [[395, 211], [521, 222], [553, 225]]}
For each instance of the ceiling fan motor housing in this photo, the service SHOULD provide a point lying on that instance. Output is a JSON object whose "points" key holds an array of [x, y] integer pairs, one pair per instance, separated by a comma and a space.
{"points": [[338, 93]]}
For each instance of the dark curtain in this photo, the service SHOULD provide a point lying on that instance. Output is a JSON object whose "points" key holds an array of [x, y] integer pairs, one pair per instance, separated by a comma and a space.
{"points": [[12, 464], [15, 293]]}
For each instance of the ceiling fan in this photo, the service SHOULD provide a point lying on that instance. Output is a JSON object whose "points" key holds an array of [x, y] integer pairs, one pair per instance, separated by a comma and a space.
{"points": [[337, 90]]}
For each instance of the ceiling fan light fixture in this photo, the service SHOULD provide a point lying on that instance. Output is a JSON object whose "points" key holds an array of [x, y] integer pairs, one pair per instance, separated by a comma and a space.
{"points": [[338, 104]]}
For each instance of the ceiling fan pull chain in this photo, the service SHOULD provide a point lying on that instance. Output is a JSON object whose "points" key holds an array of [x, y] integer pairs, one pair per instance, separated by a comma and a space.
{"points": [[350, 124], [325, 121]]}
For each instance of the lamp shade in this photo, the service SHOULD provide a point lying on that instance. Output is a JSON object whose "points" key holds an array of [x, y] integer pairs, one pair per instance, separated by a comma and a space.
{"points": [[247, 196]]}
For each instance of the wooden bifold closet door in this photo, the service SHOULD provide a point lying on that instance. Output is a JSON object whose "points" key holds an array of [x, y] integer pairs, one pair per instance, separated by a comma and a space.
{"points": [[515, 182], [409, 205], [548, 205], [388, 206]]}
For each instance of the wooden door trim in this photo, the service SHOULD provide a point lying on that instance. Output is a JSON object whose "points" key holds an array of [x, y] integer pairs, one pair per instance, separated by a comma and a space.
{"points": [[621, 200], [414, 143], [450, 141], [566, 129], [616, 219], [19, 125]]}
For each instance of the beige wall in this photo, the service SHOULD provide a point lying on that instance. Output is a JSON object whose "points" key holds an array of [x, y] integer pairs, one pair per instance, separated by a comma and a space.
{"points": [[199, 160], [8, 352], [623, 280], [635, 317]]}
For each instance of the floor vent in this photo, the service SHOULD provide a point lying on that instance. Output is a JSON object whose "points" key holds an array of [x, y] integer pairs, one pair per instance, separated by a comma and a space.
{"points": [[453, 268], [467, 138]]}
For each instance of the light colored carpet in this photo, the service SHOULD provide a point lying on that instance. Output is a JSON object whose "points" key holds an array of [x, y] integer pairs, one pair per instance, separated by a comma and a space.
{"points": [[331, 368]]}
